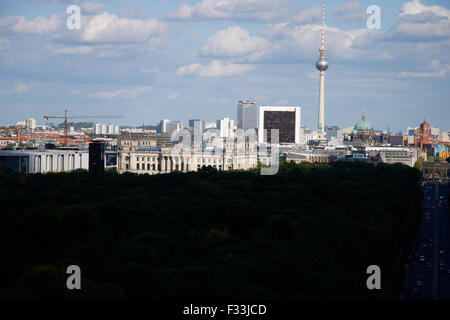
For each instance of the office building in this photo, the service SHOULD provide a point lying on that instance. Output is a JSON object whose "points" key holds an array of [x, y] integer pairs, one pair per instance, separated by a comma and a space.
{"points": [[197, 124], [30, 124], [284, 118], [225, 127], [247, 115]]}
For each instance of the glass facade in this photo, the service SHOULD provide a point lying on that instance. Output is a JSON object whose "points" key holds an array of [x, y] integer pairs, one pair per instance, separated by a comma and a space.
{"points": [[284, 121], [247, 115]]}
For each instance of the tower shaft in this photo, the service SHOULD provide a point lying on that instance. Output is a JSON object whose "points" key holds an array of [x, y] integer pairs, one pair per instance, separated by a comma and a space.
{"points": [[321, 118], [322, 66]]}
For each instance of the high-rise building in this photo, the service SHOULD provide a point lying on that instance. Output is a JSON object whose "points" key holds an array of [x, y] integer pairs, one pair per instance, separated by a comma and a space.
{"points": [[197, 124], [284, 118], [174, 125], [247, 115], [30, 124], [104, 129], [98, 128], [322, 66], [226, 127], [162, 126], [332, 131]]}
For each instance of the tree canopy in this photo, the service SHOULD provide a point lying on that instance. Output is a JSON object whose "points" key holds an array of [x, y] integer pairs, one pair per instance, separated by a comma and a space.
{"points": [[309, 232]]}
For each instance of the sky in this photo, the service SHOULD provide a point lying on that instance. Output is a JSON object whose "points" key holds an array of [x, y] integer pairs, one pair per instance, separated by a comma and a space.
{"points": [[187, 59]]}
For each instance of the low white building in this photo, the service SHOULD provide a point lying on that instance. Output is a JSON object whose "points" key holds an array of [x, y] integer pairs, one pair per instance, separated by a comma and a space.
{"points": [[391, 155], [43, 161]]}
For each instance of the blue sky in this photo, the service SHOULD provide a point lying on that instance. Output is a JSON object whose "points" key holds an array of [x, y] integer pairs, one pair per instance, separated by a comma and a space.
{"points": [[182, 59]]}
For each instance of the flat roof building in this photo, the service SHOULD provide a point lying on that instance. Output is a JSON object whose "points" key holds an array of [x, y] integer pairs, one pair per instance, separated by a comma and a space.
{"points": [[284, 118]]}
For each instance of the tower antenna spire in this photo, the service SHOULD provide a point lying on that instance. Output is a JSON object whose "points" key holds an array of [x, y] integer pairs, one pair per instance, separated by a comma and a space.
{"points": [[323, 24], [322, 66]]}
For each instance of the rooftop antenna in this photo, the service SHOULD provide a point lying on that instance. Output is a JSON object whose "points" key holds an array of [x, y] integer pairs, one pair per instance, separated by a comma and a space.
{"points": [[323, 24]]}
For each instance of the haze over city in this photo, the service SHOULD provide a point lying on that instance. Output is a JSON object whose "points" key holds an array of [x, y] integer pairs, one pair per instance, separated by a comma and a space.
{"points": [[181, 60]]}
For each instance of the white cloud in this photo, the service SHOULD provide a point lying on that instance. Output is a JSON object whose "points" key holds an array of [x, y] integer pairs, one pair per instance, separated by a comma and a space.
{"points": [[251, 10], [90, 8], [151, 70], [304, 41], [39, 26], [435, 71], [121, 93], [235, 42], [416, 21], [435, 74], [348, 7], [20, 87], [81, 50], [108, 28], [415, 7], [215, 69], [173, 96], [95, 29], [307, 15]]}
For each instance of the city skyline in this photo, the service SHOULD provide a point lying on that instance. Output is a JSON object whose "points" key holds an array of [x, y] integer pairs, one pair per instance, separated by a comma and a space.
{"points": [[161, 62]]}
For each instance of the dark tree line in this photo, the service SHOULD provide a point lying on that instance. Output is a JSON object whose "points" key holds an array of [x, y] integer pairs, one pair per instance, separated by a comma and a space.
{"points": [[308, 232]]}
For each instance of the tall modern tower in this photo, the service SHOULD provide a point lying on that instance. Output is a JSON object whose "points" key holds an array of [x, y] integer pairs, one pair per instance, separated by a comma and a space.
{"points": [[247, 115], [322, 66]]}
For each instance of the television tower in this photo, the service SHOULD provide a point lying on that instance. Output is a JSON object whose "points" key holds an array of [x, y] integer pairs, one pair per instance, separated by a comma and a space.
{"points": [[322, 66]]}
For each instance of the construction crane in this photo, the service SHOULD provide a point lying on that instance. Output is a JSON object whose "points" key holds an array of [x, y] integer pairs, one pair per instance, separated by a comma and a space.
{"points": [[65, 117]]}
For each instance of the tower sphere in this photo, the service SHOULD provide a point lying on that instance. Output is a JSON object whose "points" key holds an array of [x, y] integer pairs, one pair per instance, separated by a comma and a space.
{"points": [[322, 63]]}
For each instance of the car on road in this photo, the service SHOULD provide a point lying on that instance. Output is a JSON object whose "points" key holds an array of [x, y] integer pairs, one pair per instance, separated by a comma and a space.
{"points": [[422, 258], [419, 283], [415, 290], [441, 252]]}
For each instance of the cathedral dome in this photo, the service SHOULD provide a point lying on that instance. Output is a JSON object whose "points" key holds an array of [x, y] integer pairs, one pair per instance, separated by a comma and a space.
{"points": [[363, 124]]}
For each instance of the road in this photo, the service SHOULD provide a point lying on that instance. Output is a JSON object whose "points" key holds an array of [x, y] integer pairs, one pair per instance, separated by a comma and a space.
{"points": [[429, 266]]}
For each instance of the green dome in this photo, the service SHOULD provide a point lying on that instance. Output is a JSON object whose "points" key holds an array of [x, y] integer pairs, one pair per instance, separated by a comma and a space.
{"points": [[363, 124]]}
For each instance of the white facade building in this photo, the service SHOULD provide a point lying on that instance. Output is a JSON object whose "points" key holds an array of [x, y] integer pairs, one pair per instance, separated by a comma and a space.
{"points": [[30, 124], [391, 155], [225, 127], [43, 161], [221, 154], [287, 119]]}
